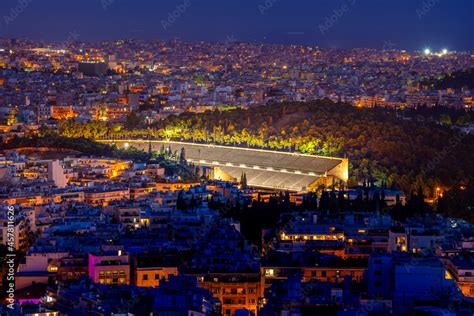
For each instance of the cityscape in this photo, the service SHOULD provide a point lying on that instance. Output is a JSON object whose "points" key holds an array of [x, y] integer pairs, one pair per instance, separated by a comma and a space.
{"points": [[187, 168]]}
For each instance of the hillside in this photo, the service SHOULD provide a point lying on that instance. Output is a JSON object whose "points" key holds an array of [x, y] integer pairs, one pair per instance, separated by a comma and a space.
{"points": [[405, 153], [456, 80]]}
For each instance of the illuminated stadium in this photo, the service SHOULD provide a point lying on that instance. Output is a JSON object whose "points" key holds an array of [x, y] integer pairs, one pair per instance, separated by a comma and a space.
{"points": [[263, 168]]}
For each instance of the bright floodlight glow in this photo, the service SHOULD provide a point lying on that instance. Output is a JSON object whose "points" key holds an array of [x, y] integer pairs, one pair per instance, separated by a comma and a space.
{"points": [[427, 51], [445, 51]]}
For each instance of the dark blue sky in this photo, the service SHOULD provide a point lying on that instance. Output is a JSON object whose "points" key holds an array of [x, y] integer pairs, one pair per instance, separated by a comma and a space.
{"points": [[403, 24]]}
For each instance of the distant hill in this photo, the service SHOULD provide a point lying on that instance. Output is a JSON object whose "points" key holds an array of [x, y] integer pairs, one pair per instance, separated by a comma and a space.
{"points": [[456, 80]]}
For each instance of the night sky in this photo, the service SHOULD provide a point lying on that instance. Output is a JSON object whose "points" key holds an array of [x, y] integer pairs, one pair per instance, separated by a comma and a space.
{"points": [[400, 24]]}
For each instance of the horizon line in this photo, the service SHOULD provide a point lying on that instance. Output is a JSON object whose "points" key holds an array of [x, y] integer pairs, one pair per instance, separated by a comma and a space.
{"points": [[254, 42]]}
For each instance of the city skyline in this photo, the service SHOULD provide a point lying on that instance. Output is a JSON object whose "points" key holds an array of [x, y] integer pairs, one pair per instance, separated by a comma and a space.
{"points": [[410, 25], [237, 158]]}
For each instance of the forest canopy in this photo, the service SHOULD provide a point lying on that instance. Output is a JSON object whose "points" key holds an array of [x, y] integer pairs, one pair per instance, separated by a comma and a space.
{"points": [[382, 145], [463, 79]]}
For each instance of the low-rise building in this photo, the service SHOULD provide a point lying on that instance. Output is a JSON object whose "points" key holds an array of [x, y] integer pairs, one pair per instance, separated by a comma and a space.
{"points": [[109, 268]]}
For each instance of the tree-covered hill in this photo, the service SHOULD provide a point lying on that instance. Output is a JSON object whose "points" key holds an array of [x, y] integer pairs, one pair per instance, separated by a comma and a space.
{"points": [[381, 145], [463, 79]]}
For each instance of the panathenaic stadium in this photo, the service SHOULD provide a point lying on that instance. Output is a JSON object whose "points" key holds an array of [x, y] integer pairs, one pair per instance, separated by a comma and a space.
{"points": [[263, 168]]}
